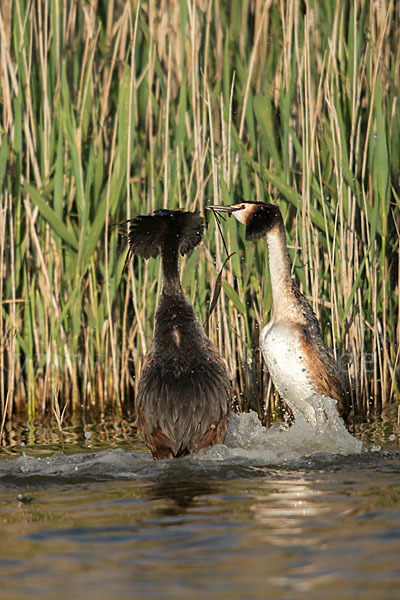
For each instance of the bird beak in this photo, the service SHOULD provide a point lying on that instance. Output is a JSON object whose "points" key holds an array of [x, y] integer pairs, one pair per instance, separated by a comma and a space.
{"points": [[223, 209]]}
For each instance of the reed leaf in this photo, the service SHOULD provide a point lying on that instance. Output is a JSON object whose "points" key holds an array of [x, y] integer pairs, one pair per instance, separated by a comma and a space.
{"points": [[111, 110]]}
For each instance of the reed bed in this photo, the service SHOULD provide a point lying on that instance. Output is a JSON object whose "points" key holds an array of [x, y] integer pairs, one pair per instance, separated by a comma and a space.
{"points": [[112, 109]]}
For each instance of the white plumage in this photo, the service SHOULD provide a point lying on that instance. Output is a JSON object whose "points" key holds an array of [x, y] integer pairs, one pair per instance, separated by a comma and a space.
{"points": [[297, 359]]}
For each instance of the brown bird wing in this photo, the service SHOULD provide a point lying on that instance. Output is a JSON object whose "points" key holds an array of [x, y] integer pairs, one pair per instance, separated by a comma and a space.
{"points": [[327, 377]]}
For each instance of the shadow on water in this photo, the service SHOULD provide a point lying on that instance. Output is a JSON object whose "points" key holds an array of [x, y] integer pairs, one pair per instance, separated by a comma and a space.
{"points": [[182, 492]]}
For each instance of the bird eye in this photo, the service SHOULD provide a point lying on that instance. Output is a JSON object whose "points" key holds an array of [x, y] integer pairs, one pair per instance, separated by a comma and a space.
{"points": [[243, 207]]}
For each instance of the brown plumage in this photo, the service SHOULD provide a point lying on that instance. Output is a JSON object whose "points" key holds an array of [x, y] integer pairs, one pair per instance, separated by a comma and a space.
{"points": [[299, 362], [183, 395]]}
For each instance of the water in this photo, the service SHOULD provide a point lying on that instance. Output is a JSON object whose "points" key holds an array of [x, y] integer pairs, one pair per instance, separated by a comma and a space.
{"points": [[299, 512]]}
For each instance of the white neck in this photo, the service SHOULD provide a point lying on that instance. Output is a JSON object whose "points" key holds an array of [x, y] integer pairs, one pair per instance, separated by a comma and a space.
{"points": [[284, 302]]}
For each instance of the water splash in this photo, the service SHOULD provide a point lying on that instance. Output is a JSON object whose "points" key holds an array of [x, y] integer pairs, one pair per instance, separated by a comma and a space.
{"points": [[248, 444], [318, 430]]}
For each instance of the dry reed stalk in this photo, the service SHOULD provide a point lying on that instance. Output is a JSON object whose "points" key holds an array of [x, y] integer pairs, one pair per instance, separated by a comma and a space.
{"points": [[109, 112]]}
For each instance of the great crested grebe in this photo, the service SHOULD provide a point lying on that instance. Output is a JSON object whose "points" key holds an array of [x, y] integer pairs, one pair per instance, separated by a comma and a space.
{"points": [[183, 396], [298, 361]]}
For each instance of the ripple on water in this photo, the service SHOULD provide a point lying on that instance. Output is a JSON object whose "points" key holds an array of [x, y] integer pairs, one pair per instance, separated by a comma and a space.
{"points": [[248, 447]]}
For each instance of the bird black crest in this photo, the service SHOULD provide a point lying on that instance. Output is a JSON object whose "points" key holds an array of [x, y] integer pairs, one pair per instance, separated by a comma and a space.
{"points": [[163, 228], [262, 220]]}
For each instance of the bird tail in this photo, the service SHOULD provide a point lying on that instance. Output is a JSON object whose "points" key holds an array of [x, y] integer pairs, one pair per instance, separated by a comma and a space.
{"points": [[149, 234]]}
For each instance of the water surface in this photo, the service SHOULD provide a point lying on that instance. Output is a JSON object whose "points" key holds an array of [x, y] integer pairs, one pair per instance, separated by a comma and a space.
{"points": [[277, 514]]}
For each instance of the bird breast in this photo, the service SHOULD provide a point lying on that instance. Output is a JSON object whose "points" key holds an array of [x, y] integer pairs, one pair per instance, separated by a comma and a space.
{"points": [[284, 353]]}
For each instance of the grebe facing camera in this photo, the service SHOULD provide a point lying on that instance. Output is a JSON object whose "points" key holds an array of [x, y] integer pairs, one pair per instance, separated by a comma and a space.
{"points": [[298, 361], [183, 396]]}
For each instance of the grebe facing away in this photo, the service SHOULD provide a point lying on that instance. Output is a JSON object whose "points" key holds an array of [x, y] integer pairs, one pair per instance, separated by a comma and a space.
{"points": [[298, 361], [183, 396]]}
